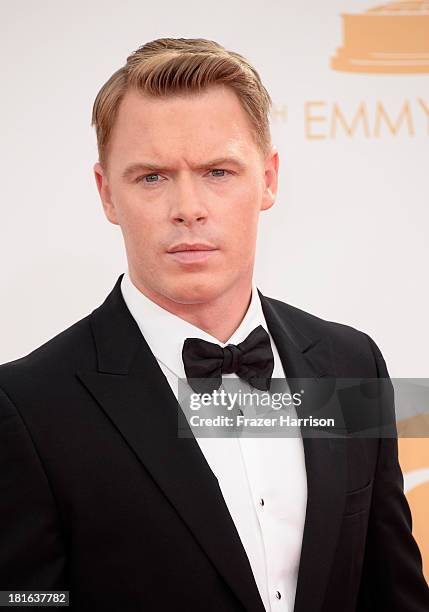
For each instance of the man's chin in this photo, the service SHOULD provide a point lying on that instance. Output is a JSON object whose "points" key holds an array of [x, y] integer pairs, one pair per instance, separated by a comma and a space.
{"points": [[197, 291]]}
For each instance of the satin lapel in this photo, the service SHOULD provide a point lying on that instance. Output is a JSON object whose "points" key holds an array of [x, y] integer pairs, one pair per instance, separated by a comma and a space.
{"points": [[325, 459], [133, 392]]}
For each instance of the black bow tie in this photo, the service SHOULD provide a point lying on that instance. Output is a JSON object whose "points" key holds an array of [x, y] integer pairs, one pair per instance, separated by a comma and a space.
{"points": [[252, 360]]}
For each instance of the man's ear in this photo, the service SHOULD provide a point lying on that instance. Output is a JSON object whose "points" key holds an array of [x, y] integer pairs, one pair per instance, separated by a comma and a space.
{"points": [[104, 191], [271, 172]]}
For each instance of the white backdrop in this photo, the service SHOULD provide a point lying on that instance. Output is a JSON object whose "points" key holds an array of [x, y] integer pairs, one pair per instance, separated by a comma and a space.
{"points": [[348, 236]]}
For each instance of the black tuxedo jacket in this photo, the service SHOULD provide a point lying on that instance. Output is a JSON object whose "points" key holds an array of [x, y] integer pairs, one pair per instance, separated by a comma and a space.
{"points": [[99, 495]]}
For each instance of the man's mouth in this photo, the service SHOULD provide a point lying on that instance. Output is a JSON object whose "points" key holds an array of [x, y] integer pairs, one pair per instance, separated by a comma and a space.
{"points": [[192, 252], [196, 246]]}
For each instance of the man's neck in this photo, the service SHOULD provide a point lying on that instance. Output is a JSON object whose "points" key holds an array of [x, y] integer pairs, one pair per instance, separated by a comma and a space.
{"points": [[219, 318]]}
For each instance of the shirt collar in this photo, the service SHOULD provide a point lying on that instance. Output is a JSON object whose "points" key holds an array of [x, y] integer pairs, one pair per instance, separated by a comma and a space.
{"points": [[165, 332]]}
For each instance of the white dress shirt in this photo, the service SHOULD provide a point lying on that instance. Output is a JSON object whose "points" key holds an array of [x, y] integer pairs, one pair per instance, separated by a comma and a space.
{"points": [[263, 480]]}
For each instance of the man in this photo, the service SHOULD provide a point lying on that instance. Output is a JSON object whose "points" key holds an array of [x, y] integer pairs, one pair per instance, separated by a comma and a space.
{"points": [[100, 495]]}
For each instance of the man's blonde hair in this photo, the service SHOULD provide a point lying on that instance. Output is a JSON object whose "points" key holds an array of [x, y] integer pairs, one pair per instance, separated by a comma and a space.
{"points": [[169, 66]]}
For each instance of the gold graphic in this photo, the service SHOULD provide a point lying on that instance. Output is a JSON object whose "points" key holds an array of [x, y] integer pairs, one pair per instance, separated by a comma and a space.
{"points": [[391, 38], [414, 459]]}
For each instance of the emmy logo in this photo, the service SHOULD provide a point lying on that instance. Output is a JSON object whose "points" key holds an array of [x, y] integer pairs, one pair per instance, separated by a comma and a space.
{"points": [[392, 38]]}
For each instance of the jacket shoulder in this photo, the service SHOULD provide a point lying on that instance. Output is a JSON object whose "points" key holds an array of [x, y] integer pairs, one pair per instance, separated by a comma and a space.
{"points": [[348, 343], [70, 348]]}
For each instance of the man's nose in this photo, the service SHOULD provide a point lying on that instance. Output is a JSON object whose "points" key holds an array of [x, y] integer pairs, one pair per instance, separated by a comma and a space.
{"points": [[187, 205]]}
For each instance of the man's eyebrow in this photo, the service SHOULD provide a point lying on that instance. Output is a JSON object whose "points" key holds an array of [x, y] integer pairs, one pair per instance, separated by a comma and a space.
{"points": [[219, 161], [140, 167], [148, 166]]}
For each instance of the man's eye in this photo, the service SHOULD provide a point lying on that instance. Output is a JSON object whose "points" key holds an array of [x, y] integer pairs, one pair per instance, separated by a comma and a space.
{"points": [[219, 170], [147, 176]]}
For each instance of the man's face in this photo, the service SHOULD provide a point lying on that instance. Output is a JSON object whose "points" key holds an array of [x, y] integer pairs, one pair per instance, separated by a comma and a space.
{"points": [[185, 170]]}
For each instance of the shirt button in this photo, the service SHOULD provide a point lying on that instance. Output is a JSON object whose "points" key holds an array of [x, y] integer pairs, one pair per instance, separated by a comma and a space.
{"points": [[278, 595], [261, 502]]}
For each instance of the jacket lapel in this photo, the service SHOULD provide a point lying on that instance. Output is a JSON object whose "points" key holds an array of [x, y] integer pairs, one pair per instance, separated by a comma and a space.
{"points": [[132, 390], [307, 360]]}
